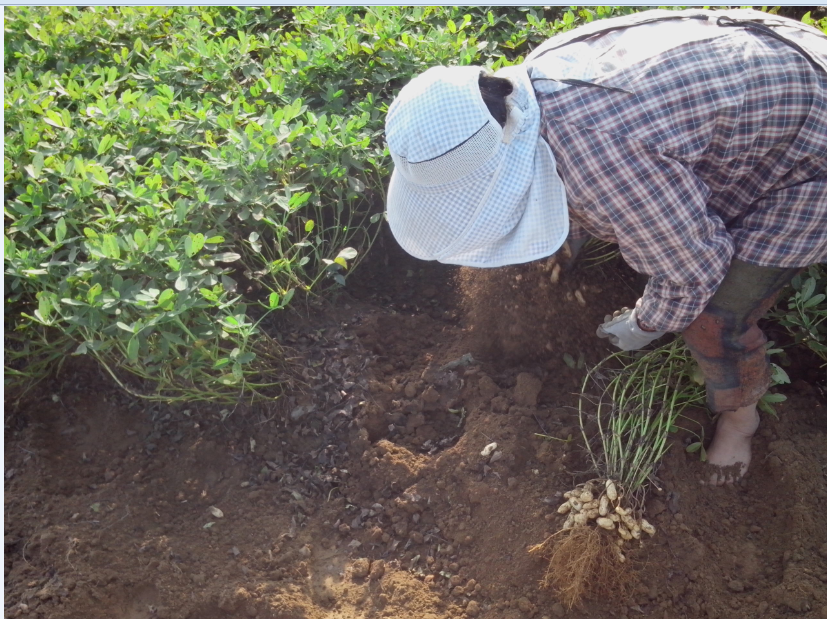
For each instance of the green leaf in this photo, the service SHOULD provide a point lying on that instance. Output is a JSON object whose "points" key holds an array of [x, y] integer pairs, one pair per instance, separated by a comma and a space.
{"points": [[779, 376], [54, 119], [37, 164], [193, 244], [208, 294], [813, 301], [166, 298], [181, 283], [246, 357], [132, 349], [214, 239], [140, 238], [274, 300], [110, 246], [60, 230], [694, 447], [9, 248], [44, 306], [227, 257], [807, 289], [348, 253], [93, 293], [309, 225], [106, 142]]}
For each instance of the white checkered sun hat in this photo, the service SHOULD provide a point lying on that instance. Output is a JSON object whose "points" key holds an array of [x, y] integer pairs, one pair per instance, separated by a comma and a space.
{"points": [[466, 190]]}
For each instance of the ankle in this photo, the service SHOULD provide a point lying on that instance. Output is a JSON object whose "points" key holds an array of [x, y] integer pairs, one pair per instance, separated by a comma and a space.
{"points": [[743, 420]]}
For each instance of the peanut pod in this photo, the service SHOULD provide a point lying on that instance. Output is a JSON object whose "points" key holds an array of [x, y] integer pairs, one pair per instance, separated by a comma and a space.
{"points": [[624, 532], [611, 490]]}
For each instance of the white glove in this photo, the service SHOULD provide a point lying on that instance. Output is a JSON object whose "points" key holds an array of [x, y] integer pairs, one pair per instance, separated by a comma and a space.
{"points": [[624, 332]]}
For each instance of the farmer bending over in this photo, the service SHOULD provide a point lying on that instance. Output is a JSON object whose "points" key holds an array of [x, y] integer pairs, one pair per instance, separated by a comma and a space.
{"points": [[695, 140]]}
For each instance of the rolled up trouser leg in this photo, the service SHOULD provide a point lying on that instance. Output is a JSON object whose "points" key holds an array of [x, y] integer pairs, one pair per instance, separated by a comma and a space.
{"points": [[725, 339]]}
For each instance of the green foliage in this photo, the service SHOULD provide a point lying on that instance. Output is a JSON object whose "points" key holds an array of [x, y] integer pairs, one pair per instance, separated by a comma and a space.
{"points": [[821, 24], [635, 407], [806, 310], [173, 174]]}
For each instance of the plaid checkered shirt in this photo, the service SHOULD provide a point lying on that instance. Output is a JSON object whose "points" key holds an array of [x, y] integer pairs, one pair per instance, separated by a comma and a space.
{"points": [[718, 150]]}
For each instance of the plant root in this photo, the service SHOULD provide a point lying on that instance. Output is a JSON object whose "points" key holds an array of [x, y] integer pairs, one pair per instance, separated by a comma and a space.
{"points": [[583, 563]]}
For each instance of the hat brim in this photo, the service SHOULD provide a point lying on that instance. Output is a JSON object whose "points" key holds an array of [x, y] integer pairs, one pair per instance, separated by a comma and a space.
{"points": [[508, 227]]}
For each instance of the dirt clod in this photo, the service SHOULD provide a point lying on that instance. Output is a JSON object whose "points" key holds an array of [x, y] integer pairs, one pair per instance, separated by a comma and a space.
{"points": [[360, 568], [377, 569], [527, 389]]}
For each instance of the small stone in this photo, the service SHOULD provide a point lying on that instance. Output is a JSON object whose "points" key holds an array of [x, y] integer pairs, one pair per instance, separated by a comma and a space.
{"points": [[416, 537], [360, 568], [488, 450], [735, 585], [473, 609], [410, 390], [458, 591], [558, 611], [109, 475], [512, 482]]}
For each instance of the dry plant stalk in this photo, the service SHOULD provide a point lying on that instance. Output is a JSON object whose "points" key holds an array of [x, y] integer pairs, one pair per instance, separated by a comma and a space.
{"points": [[582, 563]]}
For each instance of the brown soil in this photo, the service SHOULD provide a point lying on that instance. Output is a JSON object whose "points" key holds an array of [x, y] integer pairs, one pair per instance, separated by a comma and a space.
{"points": [[369, 498]]}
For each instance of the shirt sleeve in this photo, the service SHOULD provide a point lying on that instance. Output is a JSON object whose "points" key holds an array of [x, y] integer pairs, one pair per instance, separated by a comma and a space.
{"points": [[654, 207]]}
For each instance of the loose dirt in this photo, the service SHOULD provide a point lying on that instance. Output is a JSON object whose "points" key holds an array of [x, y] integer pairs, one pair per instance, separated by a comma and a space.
{"points": [[366, 494]]}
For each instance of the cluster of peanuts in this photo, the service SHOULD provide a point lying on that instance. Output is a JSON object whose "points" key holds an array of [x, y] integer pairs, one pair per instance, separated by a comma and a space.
{"points": [[582, 506]]}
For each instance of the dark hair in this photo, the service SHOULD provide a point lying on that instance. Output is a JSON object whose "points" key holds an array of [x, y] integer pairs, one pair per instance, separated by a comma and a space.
{"points": [[494, 90]]}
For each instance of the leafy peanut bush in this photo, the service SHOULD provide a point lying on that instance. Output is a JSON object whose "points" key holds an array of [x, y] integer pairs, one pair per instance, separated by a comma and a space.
{"points": [[804, 311], [174, 175]]}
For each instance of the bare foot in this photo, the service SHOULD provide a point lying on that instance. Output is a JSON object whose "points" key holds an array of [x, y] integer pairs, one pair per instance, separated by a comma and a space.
{"points": [[730, 452]]}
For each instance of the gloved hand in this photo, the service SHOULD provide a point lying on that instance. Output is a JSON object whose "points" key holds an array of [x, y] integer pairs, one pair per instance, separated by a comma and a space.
{"points": [[624, 331]]}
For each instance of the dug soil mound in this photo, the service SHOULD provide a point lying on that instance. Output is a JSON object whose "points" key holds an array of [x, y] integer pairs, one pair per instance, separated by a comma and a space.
{"points": [[366, 495]]}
